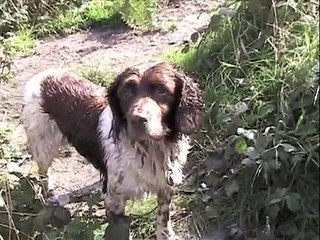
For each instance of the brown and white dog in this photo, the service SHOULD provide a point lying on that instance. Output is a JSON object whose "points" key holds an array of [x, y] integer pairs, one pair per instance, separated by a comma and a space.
{"points": [[136, 133]]}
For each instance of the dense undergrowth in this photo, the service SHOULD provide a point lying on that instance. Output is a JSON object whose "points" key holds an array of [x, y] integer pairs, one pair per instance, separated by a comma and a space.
{"points": [[260, 146]]}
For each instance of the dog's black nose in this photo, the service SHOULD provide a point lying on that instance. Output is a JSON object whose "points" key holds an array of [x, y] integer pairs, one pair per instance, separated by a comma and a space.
{"points": [[139, 119]]}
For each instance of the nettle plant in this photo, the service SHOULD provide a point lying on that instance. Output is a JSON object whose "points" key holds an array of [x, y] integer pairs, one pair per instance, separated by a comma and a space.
{"points": [[266, 179]]}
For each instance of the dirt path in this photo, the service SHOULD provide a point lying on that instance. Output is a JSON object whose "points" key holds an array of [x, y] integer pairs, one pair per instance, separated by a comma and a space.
{"points": [[110, 48]]}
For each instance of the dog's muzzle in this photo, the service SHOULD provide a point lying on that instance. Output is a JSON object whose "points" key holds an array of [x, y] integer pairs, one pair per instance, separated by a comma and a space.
{"points": [[145, 120]]}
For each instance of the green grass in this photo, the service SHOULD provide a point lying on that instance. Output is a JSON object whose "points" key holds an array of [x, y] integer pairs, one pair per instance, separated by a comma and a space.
{"points": [[22, 42], [102, 12], [173, 27], [94, 12], [145, 213], [143, 225], [96, 74]]}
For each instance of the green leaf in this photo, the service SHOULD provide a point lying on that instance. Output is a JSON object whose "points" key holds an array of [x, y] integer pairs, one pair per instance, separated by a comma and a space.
{"points": [[288, 147], [288, 229], [297, 158], [240, 108], [261, 143], [99, 231], [293, 202], [53, 234], [252, 153], [231, 187], [273, 211], [75, 228], [241, 145], [275, 200], [60, 216], [278, 196], [186, 48], [216, 161], [214, 22], [43, 218], [280, 192], [248, 162], [213, 211], [250, 134]]}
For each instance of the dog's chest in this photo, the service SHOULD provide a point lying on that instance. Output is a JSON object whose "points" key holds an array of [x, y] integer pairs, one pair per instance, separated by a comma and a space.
{"points": [[152, 166], [144, 169]]}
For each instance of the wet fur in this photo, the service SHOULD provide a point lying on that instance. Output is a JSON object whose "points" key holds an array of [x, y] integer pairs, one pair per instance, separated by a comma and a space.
{"points": [[59, 105]]}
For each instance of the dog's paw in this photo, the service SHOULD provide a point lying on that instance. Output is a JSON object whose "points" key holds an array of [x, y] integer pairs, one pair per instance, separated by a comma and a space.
{"points": [[118, 228], [62, 200]]}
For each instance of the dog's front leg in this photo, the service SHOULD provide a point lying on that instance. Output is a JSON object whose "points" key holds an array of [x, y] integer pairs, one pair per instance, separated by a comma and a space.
{"points": [[164, 229], [119, 223]]}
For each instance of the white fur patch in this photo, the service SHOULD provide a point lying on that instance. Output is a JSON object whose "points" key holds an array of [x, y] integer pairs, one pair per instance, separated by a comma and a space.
{"points": [[32, 88]]}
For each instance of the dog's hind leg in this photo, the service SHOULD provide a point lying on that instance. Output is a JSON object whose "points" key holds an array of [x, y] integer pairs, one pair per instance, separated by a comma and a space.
{"points": [[44, 139]]}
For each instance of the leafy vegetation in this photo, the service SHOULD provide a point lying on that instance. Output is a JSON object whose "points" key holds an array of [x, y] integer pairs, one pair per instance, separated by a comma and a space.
{"points": [[96, 74], [260, 147], [57, 17]]}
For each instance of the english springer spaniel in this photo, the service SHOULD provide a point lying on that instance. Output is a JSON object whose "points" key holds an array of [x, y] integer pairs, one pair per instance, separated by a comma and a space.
{"points": [[136, 133]]}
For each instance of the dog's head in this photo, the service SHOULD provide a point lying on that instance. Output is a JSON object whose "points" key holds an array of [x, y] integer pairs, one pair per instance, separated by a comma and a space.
{"points": [[158, 103]]}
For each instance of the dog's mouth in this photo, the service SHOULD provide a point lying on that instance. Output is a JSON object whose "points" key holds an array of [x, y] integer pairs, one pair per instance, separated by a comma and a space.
{"points": [[145, 132]]}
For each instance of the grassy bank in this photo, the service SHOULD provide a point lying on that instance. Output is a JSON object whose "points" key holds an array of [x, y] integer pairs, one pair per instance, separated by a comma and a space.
{"points": [[261, 142], [46, 18]]}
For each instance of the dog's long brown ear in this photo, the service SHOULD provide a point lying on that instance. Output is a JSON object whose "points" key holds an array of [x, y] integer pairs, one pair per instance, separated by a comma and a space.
{"points": [[119, 120], [190, 107]]}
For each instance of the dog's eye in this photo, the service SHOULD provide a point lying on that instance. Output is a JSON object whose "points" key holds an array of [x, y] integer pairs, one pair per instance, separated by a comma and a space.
{"points": [[161, 91], [126, 93]]}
